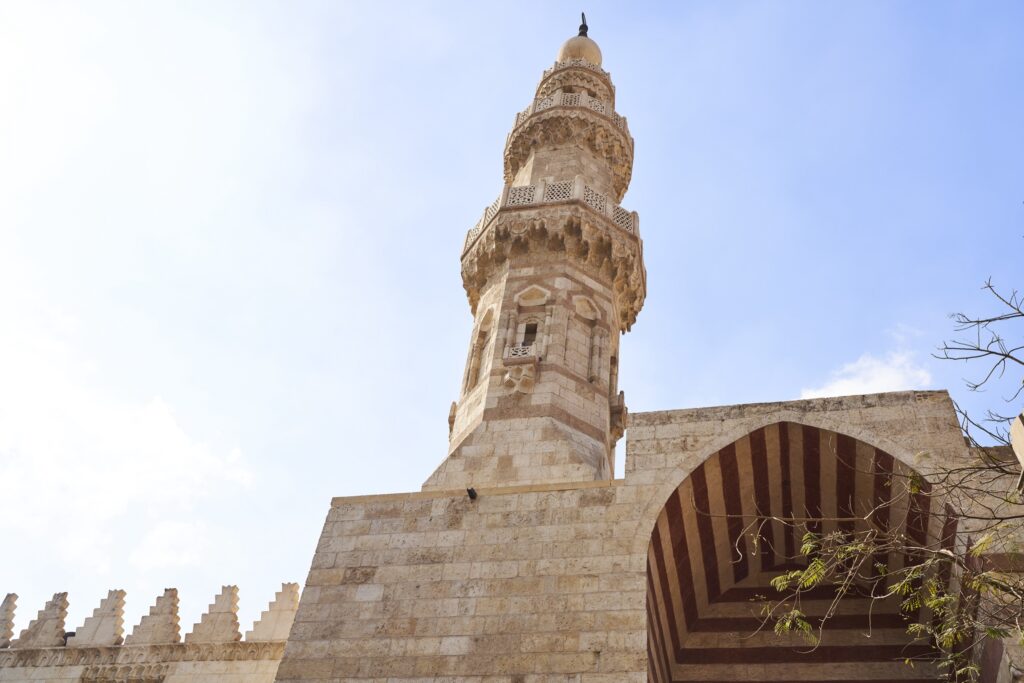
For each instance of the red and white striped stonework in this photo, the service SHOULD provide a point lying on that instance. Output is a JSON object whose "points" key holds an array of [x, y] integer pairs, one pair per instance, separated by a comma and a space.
{"points": [[709, 561]]}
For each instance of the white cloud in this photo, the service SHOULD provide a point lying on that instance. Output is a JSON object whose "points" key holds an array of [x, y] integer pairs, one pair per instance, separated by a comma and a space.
{"points": [[77, 463], [896, 371], [129, 189], [173, 544]]}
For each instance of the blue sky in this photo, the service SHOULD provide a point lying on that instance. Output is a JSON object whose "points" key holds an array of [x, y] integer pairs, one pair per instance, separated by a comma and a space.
{"points": [[229, 238]]}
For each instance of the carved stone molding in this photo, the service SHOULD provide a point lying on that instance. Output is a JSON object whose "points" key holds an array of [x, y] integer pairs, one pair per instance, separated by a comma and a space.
{"points": [[137, 673], [577, 77], [576, 64], [591, 241], [141, 654], [561, 125], [619, 417]]}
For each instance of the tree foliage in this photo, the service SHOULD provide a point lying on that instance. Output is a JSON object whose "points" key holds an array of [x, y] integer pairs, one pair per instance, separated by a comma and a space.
{"points": [[953, 594]]}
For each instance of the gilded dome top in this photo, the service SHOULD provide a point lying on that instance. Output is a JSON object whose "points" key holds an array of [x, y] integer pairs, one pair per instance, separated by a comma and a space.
{"points": [[580, 47]]}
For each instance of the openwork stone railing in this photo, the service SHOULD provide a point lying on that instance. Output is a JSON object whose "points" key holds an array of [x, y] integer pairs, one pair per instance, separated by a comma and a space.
{"points": [[521, 351], [548, 193], [579, 63], [566, 99]]}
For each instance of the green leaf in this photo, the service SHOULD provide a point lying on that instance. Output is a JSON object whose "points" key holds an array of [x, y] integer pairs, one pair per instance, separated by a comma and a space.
{"points": [[981, 545]]}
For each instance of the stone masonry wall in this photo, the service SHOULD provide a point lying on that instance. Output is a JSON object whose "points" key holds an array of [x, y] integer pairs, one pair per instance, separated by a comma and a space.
{"points": [[542, 583]]}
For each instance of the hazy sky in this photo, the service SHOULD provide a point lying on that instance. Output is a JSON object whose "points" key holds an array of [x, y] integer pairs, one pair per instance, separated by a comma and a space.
{"points": [[229, 240]]}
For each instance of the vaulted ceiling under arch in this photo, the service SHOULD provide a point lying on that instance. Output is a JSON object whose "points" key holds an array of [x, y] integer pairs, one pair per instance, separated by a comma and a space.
{"points": [[712, 554]]}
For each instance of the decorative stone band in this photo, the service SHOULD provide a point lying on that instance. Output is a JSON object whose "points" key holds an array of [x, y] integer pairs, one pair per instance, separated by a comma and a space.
{"points": [[564, 99], [107, 660], [550, 193]]}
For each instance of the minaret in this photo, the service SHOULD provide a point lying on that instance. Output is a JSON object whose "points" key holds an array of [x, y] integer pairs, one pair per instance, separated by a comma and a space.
{"points": [[554, 274]]}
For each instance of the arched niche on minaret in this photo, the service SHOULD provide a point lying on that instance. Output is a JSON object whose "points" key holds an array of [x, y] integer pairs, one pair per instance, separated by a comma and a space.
{"points": [[585, 326], [477, 354]]}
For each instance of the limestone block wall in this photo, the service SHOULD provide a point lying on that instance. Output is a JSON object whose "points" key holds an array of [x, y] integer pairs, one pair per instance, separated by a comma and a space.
{"points": [[523, 581], [547, 582], [212, 652]]}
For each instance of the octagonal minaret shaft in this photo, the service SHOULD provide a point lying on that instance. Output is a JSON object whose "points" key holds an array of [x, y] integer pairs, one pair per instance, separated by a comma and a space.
{"points": [[554, 274]]}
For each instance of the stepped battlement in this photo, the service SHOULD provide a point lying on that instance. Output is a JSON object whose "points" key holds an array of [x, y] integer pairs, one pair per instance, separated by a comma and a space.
{"points": [[99, 649]]}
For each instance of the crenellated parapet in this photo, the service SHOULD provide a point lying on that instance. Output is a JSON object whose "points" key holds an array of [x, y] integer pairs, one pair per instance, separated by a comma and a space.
{"points": [[97, 650], [47, 629], [219, 624], [276, 621], [7, 619], [106, 625], [161, 624]]}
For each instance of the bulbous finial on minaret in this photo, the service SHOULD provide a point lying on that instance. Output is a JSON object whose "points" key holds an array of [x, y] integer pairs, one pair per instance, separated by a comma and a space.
{"points": [[581, 47]]}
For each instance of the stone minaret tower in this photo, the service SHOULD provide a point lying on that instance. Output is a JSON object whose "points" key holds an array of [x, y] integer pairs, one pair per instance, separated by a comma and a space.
{"points": [[554, 274]]}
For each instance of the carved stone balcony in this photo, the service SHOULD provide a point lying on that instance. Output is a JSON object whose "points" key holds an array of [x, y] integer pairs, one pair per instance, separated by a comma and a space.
{"points": [[577, 75], [522, 352], [575, 190], [580, 100], [562, 117]]}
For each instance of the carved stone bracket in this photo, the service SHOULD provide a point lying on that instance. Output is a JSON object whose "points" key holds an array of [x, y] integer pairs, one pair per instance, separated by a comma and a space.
{"points": [[619, 417], [577, 76], [520, 374], [592, 242], [576, 64]]}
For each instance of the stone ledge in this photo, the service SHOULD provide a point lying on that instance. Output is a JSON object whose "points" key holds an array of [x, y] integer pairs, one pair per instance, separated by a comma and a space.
{"points": [[338, 501], [828, 404]]}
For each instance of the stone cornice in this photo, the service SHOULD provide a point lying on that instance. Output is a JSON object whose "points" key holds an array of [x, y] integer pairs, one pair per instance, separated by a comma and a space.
{"points": [[570, 230], [576, 64], [137, 655], [558, 125], [545, 193], [577, 76]]}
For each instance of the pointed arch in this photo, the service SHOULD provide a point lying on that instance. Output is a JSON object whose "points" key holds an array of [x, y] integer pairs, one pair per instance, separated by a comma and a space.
{"points": [[712, 547]]}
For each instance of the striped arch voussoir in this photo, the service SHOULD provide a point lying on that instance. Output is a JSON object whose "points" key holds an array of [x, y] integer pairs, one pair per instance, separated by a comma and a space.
{"points": [[714, 546]]}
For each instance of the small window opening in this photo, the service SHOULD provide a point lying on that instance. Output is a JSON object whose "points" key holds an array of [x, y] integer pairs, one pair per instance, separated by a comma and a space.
{"points": [[530, 334]]}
